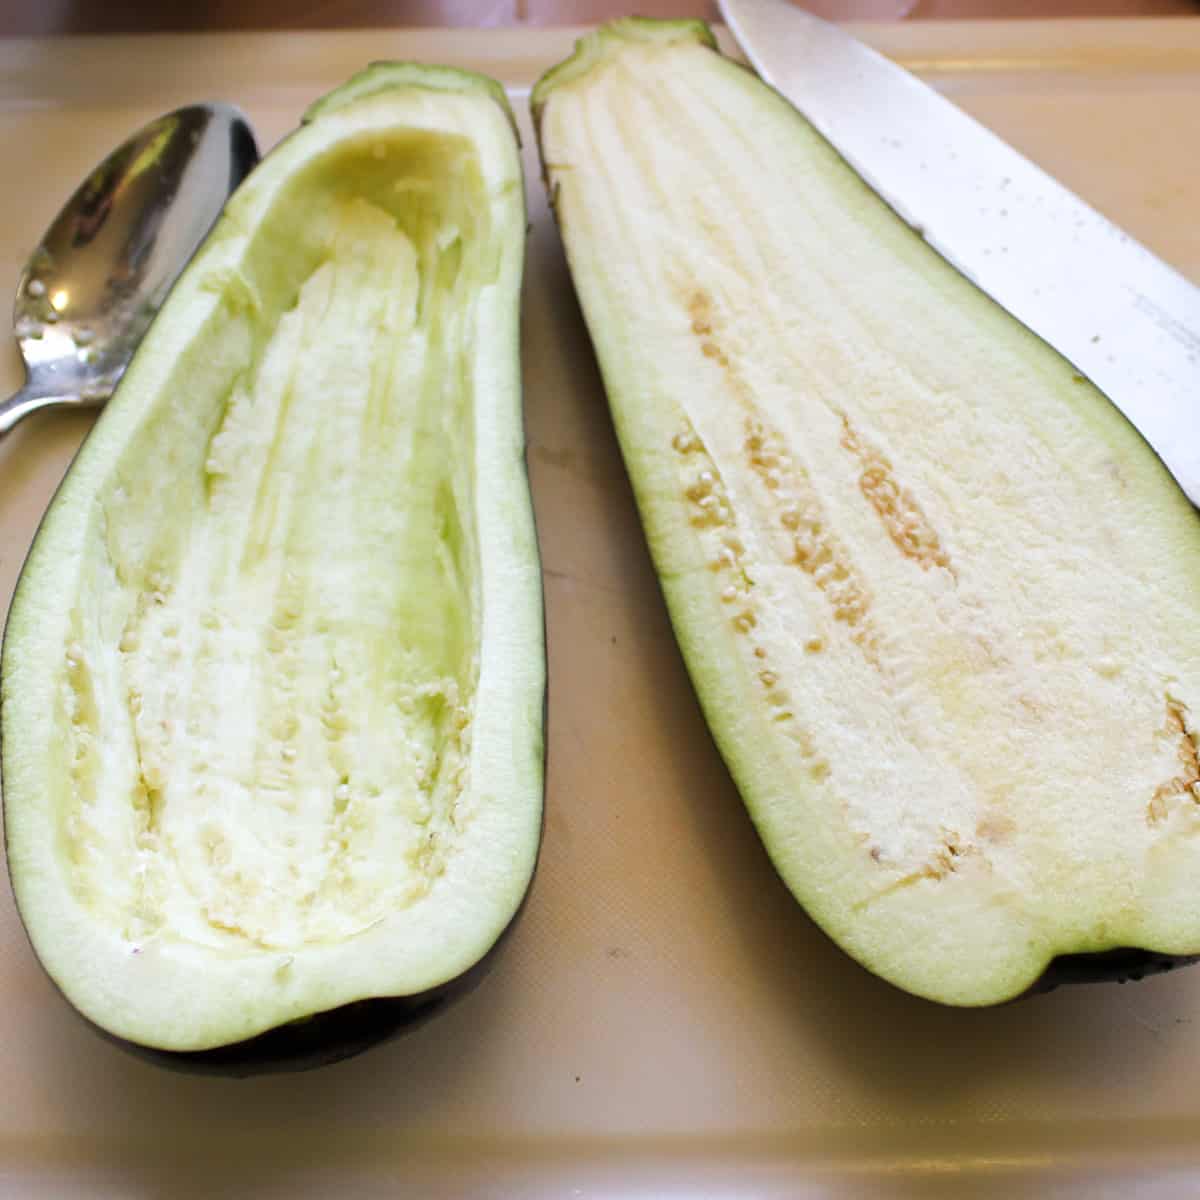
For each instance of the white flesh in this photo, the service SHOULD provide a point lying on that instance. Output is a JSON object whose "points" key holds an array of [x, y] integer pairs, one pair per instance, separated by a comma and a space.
{"points": [[937, 598], [273, 678]]}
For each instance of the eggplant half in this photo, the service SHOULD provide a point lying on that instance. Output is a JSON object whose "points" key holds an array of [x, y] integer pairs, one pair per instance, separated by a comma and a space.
{"points": [[939, 601], [273, 676]]}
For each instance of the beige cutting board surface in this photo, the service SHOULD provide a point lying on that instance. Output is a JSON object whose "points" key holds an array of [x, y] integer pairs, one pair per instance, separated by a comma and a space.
{"points": [[665, 1020]]}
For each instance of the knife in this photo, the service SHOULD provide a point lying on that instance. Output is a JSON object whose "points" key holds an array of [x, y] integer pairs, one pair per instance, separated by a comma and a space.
{"points": [[1121, 316]]}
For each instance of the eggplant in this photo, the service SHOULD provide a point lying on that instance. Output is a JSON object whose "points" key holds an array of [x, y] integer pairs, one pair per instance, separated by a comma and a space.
{"points": [[273, 676], [937, 598]]}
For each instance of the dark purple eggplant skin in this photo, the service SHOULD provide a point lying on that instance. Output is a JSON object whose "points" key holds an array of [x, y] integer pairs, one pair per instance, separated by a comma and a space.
{"points": [[315, 1041], [1126, 964]]}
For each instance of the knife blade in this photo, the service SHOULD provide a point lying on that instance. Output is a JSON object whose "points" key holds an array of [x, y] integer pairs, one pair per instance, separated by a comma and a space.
{"points": [[1121, 316]]}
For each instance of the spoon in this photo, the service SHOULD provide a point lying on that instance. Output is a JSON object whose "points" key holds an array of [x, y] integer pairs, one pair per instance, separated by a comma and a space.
{"points": [[105, 266]]}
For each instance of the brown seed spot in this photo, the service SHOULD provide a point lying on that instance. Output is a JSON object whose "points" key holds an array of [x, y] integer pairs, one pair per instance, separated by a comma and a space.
{"points": [[804, 741], [699, 307], [816, 549], [902, 516], [1186, 782], [768, 678], [745, 621], [995, 827], [945, 859], [814, 645]]}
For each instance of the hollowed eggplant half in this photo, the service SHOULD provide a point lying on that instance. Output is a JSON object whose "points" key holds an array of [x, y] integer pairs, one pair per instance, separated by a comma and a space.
{"points": [[273, 675]]}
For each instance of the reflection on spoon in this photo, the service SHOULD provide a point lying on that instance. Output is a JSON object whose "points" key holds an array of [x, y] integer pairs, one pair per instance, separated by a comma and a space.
{"points": [[106, 264]]}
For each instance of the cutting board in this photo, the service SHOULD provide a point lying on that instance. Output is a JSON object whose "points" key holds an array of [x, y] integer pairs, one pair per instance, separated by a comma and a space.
{"points": [[665, 1020]]}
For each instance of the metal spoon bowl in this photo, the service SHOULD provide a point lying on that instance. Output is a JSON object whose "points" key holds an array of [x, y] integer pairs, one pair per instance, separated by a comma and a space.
{"points": [[106, 264]]}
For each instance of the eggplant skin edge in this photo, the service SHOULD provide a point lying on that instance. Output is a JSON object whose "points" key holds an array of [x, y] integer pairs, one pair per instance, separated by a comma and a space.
{"points": [[315, 1041]]}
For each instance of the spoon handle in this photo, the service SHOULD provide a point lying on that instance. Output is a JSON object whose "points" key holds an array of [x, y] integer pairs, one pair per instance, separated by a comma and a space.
{"points": [[31, 397]]}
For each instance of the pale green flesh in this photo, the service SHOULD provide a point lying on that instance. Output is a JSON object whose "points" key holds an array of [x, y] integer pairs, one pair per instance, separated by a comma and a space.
{"points": [[298, 708], [937, 598], [282, 725]]}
